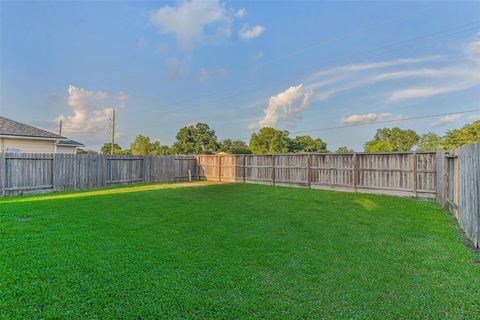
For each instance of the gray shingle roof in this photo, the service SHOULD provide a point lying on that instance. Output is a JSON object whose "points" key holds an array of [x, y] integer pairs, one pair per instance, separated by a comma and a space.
{"points": [[15, 128], [68, 142]]}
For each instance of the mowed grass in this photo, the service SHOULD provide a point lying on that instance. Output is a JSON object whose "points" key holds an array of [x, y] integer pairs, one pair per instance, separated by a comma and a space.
{"points": [[232, 251]]}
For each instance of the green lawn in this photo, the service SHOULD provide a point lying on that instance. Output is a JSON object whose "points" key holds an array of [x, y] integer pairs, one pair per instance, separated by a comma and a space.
{"points": [[232, 251]]}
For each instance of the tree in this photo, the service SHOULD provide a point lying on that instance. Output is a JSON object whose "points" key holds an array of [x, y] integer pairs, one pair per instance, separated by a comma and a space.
{"points": [[196, 139], [430, 142], [161, 150], [234, 147], [142, 146], [269, 140], [107, 147], [392, 140], [307, 144], [469, 133], [344, 150], [83, 151]]}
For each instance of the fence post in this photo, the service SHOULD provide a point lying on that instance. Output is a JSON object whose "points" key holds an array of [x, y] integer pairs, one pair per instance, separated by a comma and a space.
{"points": [[244, 159], [455, 181], [54, 176], [196, 170], [3, 172], [446, 170], [414, 173], [219, 158], [355, 172], [309, 164], [146, 169], [273, 169]]}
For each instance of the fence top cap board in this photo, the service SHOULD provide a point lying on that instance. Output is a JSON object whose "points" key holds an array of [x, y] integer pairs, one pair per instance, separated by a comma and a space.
{"points": [[317, 153]]}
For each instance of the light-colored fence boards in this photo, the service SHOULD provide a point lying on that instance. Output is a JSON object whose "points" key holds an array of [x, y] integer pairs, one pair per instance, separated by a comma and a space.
{"points": [[458, 187], [467, 197], [332, 170], [412, 174], [28, 173]]}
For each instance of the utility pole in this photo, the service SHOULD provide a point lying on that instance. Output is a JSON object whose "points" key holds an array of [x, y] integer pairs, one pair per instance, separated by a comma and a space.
{"points": [[60, 127], [113, 131]]}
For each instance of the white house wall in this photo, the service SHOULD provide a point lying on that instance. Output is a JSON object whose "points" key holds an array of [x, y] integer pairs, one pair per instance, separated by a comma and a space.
{"points": [[27, 145]]}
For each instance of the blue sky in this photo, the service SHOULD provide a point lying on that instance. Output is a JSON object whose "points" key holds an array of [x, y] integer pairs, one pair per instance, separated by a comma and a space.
{"points": [[239, 66]]}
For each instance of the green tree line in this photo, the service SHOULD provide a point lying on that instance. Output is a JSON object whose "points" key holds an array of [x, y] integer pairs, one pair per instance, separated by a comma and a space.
{"points": [[201, 139]]}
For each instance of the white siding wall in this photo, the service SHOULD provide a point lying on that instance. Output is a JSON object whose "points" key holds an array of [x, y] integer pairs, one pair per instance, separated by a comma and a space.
{"points": [[27, 145], [66, 149]]}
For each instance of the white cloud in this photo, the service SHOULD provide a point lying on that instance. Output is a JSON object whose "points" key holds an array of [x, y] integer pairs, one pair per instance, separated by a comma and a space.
{"points": [[426, 92], [349, 77], [446, 120], [188, 20], [474, 48], [357, 67], [285, 106], [90, 116], [363, 118], [203, 75], [474, 117], [247, 33], [354, 76], [241, 13]]}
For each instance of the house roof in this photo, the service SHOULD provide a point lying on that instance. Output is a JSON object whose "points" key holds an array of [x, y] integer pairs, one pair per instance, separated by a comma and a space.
{"points": [[10, 127], [70, 143]]}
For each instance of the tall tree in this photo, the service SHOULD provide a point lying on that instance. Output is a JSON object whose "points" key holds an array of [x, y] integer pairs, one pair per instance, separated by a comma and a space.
{"points": [[392, 140], [430, 142], [107, 147], [344, 150], [196, 139], [234, 147], [269, 140], [307, 144], [469, 133], [143, 146]]}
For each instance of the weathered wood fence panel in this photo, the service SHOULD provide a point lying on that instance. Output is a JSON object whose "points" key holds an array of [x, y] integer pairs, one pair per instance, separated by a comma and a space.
{"points": [[459, 187], [161, 168], [394, 173], [453, 177], [29, 173], [24, 173]]}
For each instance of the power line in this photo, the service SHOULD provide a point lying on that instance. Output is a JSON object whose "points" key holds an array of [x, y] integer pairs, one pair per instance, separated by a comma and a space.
{"points": [[346, 35], [366, 54], [377, 122], [331, 40]]}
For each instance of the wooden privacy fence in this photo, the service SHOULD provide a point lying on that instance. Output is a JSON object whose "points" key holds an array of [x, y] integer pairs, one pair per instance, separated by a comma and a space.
{"points": [[411, 174], [27, 173], [452, 178], [459, 187]]}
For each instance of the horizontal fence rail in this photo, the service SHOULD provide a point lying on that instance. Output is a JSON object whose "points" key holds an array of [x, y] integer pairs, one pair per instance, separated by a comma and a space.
{"points": [[410, 174]]}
